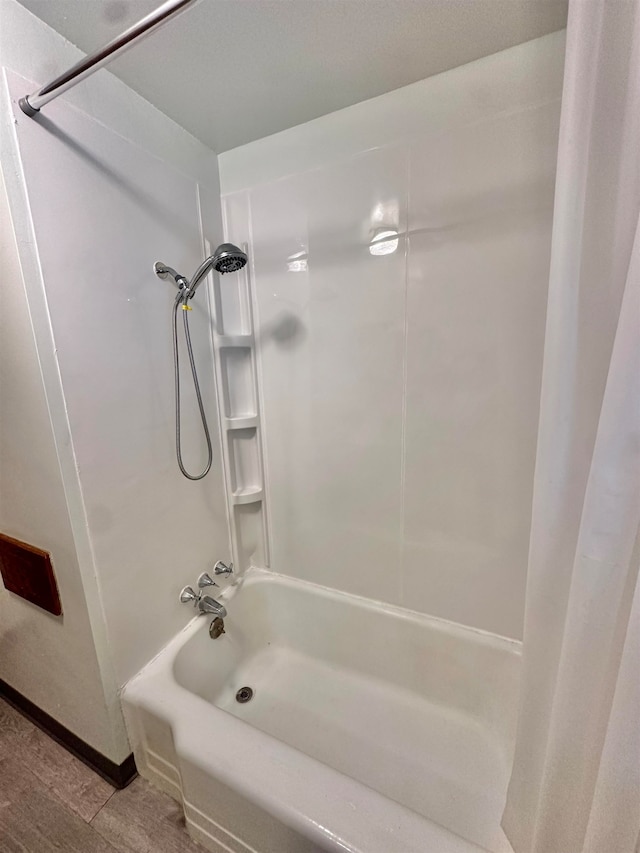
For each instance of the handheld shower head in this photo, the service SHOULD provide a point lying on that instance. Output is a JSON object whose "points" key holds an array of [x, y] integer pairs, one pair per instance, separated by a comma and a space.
{"points": [[228, 258]]}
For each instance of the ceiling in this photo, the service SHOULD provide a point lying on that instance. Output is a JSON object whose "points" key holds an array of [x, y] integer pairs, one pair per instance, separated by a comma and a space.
{"points": [[231, 71]]}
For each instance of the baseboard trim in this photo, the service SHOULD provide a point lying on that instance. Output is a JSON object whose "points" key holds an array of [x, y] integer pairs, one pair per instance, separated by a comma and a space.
{"points": [[119, 775]]}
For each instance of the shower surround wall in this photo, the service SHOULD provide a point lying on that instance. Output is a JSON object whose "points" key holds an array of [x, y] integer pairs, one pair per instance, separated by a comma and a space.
{"points": [[400, 391], [100, 186]]}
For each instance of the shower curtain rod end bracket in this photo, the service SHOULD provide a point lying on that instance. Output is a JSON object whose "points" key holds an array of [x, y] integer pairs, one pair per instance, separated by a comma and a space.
{"points": [[26, 107]]}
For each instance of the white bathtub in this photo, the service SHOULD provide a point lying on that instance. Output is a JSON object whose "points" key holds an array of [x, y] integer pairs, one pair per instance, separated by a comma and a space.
{"points": [[371, 729]]}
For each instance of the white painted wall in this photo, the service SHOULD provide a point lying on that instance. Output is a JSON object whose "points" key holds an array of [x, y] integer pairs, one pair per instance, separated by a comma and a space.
{"points": [[400, 392], [50, 659], [100, 186]]}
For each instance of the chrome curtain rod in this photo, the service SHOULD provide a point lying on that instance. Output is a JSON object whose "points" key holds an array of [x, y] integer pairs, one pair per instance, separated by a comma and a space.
{"points": [[31, 104]]}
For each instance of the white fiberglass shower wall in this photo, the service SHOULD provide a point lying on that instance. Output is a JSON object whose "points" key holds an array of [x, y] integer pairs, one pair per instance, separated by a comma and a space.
{"points": [[400, 382]]}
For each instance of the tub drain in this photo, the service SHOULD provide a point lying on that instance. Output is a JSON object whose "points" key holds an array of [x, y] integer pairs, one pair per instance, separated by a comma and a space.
{"points": [[244, 694]]}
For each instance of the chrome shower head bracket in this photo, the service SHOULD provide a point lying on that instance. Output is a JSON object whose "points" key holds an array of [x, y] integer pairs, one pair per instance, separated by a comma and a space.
{"points": [[163, 271]]}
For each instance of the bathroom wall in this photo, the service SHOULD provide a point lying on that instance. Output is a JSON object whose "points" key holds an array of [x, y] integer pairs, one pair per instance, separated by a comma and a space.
{"points": [[101, 185], [50, 659], [400, 390]]}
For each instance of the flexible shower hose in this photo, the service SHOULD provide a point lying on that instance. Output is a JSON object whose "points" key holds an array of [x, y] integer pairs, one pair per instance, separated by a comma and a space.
{"points": [[181, 302]]}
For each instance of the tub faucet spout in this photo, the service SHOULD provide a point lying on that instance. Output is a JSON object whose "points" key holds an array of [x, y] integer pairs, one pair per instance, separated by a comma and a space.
{"points": [[206, 604]]}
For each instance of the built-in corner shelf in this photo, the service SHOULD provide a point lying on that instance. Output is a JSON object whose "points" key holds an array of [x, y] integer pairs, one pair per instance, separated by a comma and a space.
{"points": [[228, 341], [250, 495], [238, 403], [241, 422]]}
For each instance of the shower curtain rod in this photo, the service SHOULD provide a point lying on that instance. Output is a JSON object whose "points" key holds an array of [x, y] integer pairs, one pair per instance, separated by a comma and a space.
{"points": [[30, 104]]}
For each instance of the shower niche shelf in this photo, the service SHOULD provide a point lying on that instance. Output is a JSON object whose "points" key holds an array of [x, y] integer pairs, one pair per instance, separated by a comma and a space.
{"points": [[251, 495], [238, 384], [236, 381], [241, 422], [244, 460], [230, 341]]}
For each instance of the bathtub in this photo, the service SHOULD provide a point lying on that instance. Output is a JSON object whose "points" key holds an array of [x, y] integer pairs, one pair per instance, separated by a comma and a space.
{"points": [[371, 728]]}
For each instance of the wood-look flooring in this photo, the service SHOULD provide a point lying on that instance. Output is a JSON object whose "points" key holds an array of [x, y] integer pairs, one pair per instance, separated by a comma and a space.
{"points": [[50, 802]]}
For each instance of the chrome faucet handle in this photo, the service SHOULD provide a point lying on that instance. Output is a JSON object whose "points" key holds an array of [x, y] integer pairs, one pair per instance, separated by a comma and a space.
{"points": [[206, 580], [221, 569], [188, 594]]}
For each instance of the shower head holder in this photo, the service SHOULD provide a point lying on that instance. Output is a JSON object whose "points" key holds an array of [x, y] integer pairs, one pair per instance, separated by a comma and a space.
{"points": [[163, 272]]}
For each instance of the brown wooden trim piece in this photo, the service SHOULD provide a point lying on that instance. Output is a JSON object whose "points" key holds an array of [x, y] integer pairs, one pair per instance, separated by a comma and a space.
{"points": [[119, 775], [27, 571]]}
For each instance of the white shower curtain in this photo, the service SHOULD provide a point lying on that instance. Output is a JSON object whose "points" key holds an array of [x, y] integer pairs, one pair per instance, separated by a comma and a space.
{"points": [[575, 784]]}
